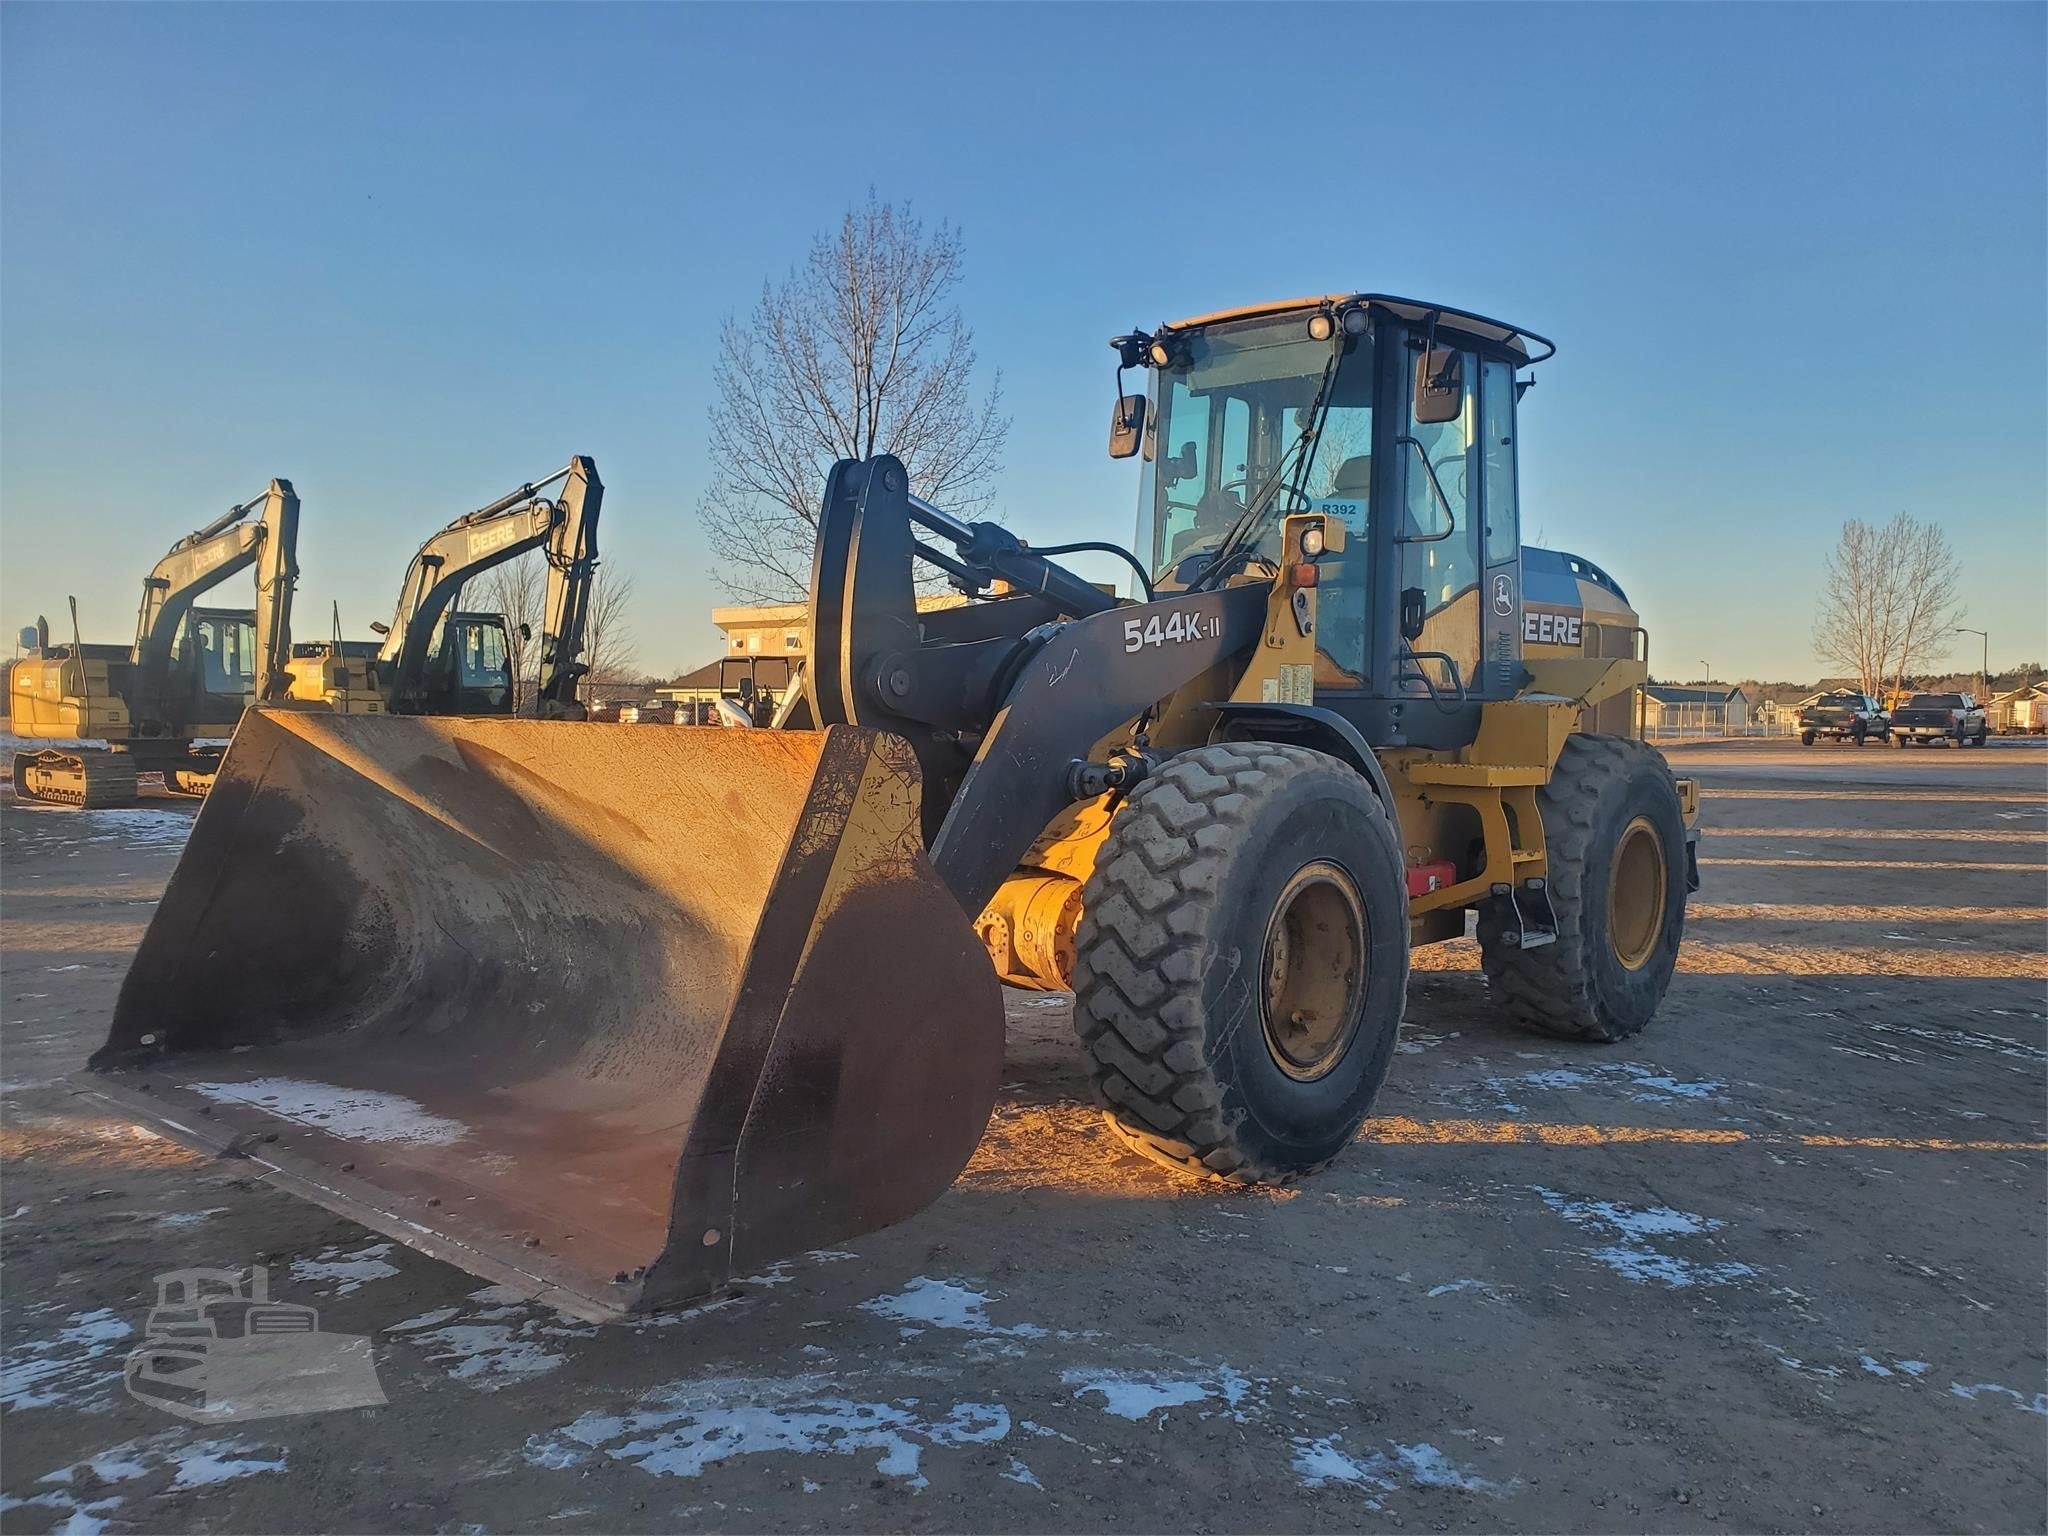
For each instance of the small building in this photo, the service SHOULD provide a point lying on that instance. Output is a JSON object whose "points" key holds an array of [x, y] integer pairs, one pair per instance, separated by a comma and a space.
{"points": [[1705, 708], [721, 679], [2022, 710], [777, 629]]}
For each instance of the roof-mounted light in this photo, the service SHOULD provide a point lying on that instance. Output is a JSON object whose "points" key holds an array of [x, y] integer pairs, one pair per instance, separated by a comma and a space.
{"points": [[1321, 327]]}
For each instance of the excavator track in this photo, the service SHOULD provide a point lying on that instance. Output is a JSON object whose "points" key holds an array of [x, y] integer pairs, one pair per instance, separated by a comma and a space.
{"points": [[191, 775], [88, 780]]}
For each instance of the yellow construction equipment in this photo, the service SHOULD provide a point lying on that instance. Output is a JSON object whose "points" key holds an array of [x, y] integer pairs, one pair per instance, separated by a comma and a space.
{"points": [[616, 1015], [189, 674], [433, 659]]}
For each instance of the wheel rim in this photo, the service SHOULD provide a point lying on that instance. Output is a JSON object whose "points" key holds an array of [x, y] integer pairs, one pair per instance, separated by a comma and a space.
{"points": [[1314, 971], [1635, 893]]}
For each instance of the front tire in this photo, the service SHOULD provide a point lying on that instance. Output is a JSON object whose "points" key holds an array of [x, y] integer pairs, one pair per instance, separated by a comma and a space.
{"points": [[1615, 837], [1242, 962], [1806, 738]]}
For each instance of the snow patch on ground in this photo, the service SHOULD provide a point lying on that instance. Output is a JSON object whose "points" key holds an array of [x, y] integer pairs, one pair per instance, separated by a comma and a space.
{"points": [[177, 1221], [1642, 1085], [359, 1114], [63, 1371], [352, 1270], [932, 1303], [2038, 1403], [1140, 1394], [679, 1429], [1634, 1257], [80, 1493], [504, 1341], [1320, 1462]]}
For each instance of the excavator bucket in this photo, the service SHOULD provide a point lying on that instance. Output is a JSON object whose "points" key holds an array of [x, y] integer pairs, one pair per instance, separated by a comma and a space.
{"points": [[608, 1014]]}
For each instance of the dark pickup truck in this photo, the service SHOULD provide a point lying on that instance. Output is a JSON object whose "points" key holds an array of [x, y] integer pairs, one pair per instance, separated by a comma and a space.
{"points": [[1930, 717], [1843, 717]]}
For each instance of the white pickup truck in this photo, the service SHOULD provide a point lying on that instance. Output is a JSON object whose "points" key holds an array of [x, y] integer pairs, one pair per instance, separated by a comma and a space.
{"points": [[1926, 718]]}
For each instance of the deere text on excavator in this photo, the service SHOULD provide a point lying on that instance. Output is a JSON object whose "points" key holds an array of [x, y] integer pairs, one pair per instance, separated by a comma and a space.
{"points": [[477, 983]]}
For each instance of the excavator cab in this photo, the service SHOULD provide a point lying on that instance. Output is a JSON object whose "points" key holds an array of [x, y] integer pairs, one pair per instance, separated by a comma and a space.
{"points": [[471, 673], [215, 662]]}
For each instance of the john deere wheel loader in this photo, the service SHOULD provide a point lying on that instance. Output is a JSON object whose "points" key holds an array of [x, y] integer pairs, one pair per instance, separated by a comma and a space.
{"points": [[616, 1015], [190, 672]]}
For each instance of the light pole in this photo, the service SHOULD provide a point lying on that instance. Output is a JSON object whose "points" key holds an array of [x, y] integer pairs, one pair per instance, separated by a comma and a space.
{"points": [[1984, 673]]}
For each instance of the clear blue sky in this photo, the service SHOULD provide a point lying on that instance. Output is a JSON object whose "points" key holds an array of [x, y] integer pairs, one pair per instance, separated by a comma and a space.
{"points": [[409, 256]]}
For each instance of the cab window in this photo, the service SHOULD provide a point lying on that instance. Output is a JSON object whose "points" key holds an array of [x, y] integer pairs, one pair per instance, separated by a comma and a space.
{"points": [[483, 658], [1440, 555]]}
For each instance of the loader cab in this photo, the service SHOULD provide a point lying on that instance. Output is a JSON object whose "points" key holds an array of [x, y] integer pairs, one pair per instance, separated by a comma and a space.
{"points": [[1392, 418]]}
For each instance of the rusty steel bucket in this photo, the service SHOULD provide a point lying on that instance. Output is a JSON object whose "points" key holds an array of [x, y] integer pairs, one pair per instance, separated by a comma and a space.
{"points": [[610, 1015]]}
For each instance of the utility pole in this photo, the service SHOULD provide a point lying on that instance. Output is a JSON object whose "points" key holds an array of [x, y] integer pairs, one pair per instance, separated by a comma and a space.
{"points": [[1984, 673]]}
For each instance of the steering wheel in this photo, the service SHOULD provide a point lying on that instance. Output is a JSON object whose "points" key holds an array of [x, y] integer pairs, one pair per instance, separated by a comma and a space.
{"points": [[1287, 485]]}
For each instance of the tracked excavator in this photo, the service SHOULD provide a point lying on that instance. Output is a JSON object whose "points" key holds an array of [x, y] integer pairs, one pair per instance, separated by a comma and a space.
{"points": [[436, 660], [190, 673], [476, 982]]}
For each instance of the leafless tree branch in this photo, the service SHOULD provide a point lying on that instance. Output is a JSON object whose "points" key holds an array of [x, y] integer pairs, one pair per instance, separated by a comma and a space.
{"points": [[860, 350]]}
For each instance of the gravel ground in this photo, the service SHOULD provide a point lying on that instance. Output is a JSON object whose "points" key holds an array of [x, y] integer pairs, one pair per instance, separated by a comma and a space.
{"points": [[1776, 1265]]}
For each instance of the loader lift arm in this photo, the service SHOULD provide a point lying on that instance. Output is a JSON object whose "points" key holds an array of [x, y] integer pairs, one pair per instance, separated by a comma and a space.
{"points": [[201, 561], [1030, 683], [473, 544]]}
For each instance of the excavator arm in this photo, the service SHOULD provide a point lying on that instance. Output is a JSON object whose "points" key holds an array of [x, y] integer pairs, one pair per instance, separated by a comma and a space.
{"points": [[471, 545], [201, 561]]}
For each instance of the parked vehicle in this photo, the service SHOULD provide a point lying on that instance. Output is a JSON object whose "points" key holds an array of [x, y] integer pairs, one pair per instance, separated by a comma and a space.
{"points": [[1930, 717], [1843, 716]]}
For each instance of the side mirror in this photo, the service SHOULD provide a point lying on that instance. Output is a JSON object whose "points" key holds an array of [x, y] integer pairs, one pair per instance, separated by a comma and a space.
{"points": [[1439, 387], [1411, 613], [1126, 426], [382, 629], [1181, 466]]}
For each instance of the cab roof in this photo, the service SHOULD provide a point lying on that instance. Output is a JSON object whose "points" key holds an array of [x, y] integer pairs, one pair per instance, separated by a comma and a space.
{"points": [[1530, 347]]}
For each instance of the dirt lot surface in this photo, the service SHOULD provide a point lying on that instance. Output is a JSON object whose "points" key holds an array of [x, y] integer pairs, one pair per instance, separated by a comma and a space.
{"points": [[1777, 1265]]}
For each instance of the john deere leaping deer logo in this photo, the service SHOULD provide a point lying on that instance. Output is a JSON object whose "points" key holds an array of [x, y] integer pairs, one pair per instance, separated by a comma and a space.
{"points": [[217, 1349]]}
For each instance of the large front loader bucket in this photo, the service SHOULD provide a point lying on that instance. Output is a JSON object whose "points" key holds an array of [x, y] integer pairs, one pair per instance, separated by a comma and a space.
{"points": [[610, 1014]]}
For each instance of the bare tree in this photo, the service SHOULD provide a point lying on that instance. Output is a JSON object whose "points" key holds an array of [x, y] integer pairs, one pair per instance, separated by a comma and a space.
{"points": [[860, 350], [518, 590], [607, 641], [1890, 598]]}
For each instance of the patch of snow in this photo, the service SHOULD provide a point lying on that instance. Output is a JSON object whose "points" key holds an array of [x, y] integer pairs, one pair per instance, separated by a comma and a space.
{"points": [[679, 1429], [1452, 1286], [202, 1464], [1137, 1395], [179, 1220], [358, 1114], [1643, 1084], [220, 1461], [1019, 1473], [946, 1304], [353, 1270], [1634, 1258], [494, 1346], [2038, 1403], [63, 1370], [1320, 1462]]}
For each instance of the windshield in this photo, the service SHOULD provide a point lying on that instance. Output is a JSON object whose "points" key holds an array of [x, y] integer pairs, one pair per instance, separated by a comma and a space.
{"points": [[1231, 420]]}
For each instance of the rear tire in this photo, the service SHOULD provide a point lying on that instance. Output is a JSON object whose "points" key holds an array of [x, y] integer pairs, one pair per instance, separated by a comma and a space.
{"points": [[1615, 836], [1242, 962]]}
